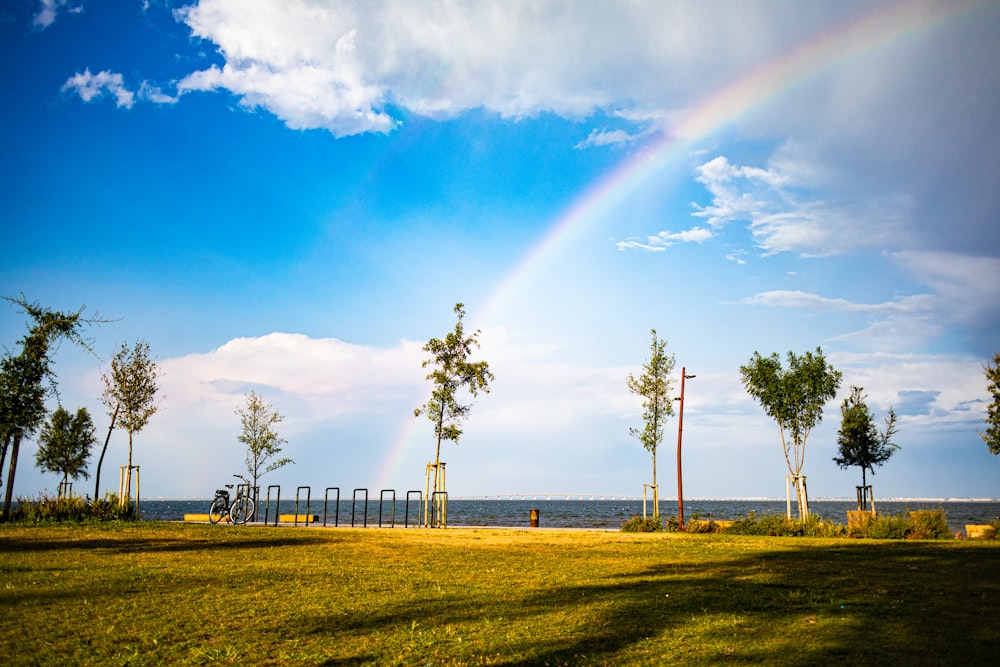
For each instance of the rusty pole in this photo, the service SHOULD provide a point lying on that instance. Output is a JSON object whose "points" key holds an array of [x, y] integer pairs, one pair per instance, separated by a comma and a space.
{"points": [[680, 430]]}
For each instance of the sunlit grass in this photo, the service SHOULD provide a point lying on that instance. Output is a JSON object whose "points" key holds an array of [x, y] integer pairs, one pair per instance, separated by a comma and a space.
{"points": [[169, 593]]}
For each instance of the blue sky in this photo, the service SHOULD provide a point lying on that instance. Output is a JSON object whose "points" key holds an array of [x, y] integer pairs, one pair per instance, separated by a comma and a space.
{"points": [[290, 197]]}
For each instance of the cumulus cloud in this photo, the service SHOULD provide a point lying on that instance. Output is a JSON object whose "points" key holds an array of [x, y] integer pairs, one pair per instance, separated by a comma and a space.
{"points": [[342, 66]]}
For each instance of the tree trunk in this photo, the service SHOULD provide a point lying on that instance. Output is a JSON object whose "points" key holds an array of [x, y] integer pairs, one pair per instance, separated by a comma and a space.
{"points": [[128, 475], [656, 492], [8, 497], [100, 461], [3, 455]]}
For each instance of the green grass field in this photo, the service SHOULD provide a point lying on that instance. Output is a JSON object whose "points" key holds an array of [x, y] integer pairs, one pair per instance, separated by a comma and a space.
{"points": [[156, 593]]}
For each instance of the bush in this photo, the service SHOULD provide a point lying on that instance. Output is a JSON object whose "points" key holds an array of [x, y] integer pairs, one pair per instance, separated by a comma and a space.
{"points": [[928, 525], [883, 527], [637, 524], [71, 510]]}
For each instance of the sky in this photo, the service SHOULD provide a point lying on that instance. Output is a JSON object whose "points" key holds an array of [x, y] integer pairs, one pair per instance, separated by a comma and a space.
{"points": [[290, 198]]}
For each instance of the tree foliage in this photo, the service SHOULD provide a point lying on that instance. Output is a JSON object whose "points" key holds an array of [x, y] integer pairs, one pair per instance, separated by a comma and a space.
{"points": [[64, 444], [860, 442], [451, 374], [27, 379], [130, 390], [654, 387], [258, 420], [793, 396], [991, 436]]}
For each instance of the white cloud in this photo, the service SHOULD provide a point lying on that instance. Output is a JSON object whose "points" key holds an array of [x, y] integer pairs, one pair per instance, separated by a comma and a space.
{"points": [[918, 304], [664, 239], [48, 11], [90, 86], [783, 217], [341, 66], [93, 86]]}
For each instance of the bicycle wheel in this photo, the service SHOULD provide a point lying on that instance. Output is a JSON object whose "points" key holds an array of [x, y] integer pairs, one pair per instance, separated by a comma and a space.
{"points": [[242, 510], [217, 511]]}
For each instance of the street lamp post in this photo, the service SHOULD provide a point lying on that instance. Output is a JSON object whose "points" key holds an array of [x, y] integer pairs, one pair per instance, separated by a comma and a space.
{"points": [[680, 430]]}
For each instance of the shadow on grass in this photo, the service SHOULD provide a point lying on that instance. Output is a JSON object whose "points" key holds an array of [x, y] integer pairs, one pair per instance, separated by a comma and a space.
{"points": [[113, 544], [856, 603]]}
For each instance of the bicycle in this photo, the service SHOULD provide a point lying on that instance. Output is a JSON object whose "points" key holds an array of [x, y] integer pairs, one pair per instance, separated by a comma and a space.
{"points": [[239, 510]]}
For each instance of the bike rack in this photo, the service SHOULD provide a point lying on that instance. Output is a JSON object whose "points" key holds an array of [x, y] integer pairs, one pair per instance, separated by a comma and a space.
{"points": [[277, 503], [439, 514], [336, 512], [308, 496], [392, 514], [243, 498], [354, 501], [420, 500]]}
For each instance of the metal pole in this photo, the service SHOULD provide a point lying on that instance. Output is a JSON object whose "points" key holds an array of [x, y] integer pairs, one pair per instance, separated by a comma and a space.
{"points": [[680, 431]]}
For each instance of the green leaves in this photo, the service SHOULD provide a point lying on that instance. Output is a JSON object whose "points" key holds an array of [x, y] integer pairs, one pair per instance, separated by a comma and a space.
{"points": [[861, 444], [451, 374], [793, 396], [131, 386], [262, 441], [65, 442], [654, 387], [991, 436]]}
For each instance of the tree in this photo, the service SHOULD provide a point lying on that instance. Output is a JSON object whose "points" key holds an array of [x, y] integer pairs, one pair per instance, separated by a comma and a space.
{"points": [[794, 398], [861, 444], [991, 436], [654, 388], [262, 441], [130, 393], [452, 374], [64, 444], [23, 378]]}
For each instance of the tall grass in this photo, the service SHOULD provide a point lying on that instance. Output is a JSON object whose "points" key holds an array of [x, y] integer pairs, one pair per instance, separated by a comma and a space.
{"points": [[48, 509]]}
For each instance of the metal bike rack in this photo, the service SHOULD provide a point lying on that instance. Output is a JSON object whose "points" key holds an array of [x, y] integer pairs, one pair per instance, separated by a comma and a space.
{"points": [[308, 495], [277, 503], [439, 515], [354, 502], [245, 497], [420, 500], [336, 512], [392, 514]]}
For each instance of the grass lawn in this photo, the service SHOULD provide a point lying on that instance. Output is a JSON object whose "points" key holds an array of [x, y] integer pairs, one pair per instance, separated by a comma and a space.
{"points": [[157, 593]]}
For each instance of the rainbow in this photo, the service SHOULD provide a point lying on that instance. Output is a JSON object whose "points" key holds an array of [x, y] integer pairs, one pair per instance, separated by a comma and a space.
{"points": [[808, 60]]}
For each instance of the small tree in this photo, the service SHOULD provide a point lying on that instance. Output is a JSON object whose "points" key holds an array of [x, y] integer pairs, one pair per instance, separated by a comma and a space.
{"points": [[794, 398], [991, 436], [654, 388], [64, 444], [130, 393], [861, 443], [263, 443], [452, 373]]}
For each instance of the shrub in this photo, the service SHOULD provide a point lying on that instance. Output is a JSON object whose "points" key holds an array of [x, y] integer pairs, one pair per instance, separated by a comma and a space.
{"points": [[779, 526], [637, 524], [47, 509], [928, 525], [884, 527]]}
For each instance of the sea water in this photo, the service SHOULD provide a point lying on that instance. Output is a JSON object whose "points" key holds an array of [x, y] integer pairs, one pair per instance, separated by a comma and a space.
{"points": [[561, 512]]}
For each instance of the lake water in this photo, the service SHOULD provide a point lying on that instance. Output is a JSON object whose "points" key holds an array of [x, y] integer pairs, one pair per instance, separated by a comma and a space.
{"points": [[561, 512]]}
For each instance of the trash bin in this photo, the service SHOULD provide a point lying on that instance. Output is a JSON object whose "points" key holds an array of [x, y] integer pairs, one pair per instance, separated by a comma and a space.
{"points": [[534, 518]]}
